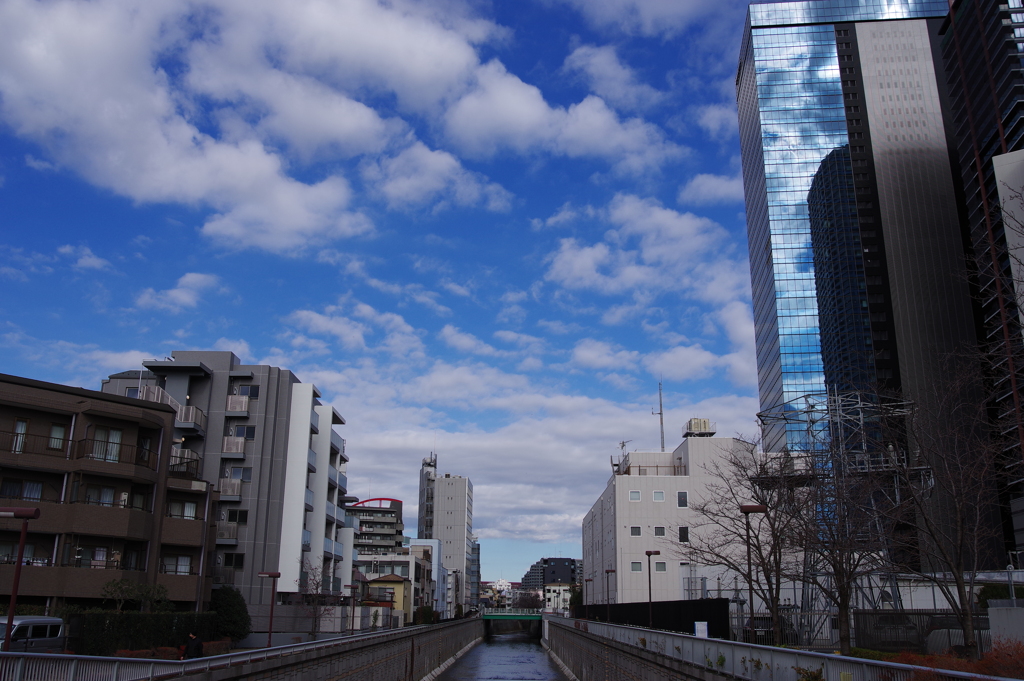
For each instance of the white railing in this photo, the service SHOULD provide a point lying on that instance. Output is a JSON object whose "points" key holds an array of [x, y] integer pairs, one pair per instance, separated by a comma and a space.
{"points": [[753, 662], [238, 403]]}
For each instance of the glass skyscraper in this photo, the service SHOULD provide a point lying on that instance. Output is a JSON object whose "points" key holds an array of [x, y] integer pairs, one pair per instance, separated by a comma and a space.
{"points": [[856, 253]]}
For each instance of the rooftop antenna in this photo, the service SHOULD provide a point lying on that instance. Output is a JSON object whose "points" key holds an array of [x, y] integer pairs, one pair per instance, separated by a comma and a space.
{"points": [[622, 446], [661, 416]]}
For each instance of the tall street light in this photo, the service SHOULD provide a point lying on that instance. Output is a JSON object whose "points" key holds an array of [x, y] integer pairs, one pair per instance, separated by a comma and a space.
{"points": [[273, 576], [746, 510], [608, 596], [650, 604], [586, 606], [25, 514]]}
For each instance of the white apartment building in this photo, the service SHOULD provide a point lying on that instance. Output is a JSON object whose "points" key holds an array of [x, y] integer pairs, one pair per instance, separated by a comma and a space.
{"points": [[646, 507]]}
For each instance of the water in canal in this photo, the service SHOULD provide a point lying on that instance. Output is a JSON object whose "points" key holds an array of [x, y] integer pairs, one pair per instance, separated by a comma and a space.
{"points": [[514, 657]]}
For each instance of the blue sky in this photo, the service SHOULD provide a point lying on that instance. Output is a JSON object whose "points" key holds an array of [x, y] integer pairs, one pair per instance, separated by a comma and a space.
{"points": [[484, 229]]}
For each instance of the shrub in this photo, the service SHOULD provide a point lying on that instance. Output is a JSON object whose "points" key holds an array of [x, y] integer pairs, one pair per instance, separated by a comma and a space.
{"points": [[233, 619], [103, 632]]}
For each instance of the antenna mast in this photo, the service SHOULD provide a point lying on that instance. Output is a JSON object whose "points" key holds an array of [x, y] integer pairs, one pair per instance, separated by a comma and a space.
{"points": [[661, 416]]}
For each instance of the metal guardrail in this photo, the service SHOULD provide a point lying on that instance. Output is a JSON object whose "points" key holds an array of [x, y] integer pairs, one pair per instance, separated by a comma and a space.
{"points": [[754, 662], [48, 667]]}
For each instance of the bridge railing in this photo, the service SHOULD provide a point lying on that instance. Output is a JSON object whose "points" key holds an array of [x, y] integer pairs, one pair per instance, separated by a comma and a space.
{"points": [[754, 662], [511, 611], [48, 667]]}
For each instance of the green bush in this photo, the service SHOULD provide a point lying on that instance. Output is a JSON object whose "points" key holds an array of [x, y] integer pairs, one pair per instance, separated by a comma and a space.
{"points": [[998, 591], [233, 618], [869, 654], [106, 631]]}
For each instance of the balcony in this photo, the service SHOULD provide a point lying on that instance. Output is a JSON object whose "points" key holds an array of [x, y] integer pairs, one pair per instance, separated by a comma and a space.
{"points": [[78, 579], [314, 421], [343, 481], [331, 511], [182, 531], [232, 447], [186, 464], [311, 460], [230, 489], [332, 475], [338, 442], [328, 546], [187, 418], [23, 443], [237, 406], [227, 533], [180, 586], [309, 500], [114, 452], [224, 575], [307, 540]]}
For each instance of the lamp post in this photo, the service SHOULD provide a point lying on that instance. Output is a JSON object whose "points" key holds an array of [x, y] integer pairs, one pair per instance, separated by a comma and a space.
{"points": [[25, 514], [650, 604], [607, 596], [746, 510], [273, 576], [586, 605]]}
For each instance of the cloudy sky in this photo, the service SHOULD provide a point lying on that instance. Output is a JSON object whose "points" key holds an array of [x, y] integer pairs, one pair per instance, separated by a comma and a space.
{"points": [[486, 229]]}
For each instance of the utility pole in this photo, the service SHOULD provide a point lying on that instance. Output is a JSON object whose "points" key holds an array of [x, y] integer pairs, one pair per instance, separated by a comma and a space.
{"points": [[661, 416]]}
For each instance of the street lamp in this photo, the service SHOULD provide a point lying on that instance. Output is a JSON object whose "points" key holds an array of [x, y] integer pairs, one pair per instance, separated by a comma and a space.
{"points": [[650, 605], [608, 596], [25, 514], [273, 599], [746, 510], [586, 605]]}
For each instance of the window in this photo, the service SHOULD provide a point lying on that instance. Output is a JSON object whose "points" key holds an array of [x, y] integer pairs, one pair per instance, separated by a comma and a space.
{"points": [[659, 496], [18, 443], [248, 432], [681, 500], [659, 567], [106, 444], [177, 565], [250, 391], [684, 535], [243, 474], [238, 516], [32, 491], [234, 560], [634, 531], [58, 432], [659, 531], [182, 509], [636, 566], [634, 495], [103, 496], [131, 392], [11, 489]]}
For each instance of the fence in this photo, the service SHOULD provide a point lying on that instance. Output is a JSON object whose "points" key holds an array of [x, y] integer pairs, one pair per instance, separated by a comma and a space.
{"points": [[569, 639]]}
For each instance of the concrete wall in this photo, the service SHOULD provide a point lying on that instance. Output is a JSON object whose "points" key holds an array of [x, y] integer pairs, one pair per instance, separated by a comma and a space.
{"points": [[1006, 624]]}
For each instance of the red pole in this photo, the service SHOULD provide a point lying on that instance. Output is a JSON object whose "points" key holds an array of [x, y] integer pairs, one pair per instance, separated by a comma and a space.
{"points": [[25, 514], [273, 600]]}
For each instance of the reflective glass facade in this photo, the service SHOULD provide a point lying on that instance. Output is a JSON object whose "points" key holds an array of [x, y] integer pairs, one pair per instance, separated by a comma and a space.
{"points": [[806, 258]]}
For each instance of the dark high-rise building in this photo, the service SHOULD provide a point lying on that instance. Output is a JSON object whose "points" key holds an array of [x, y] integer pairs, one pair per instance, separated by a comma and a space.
{"points": [[553, 571], [856, 250]]}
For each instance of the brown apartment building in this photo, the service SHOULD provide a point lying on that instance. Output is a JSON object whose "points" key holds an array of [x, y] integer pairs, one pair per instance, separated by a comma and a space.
{"points": [[117, 499]]}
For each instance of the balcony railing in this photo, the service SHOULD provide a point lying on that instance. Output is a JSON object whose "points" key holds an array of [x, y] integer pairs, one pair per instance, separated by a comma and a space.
{"points": [[342, 481], [138, 503], [100, 564], [330, 510], [328, 546], [12, 559], [185, 414], [309, 498], [193, 415], [224, 575], [311, 460], [307, 540], [185, 464], [230, 487], [178, 569], [226, 530], [114, 452], [23, 443], [338, 442], [314, 420], [233, 445], [238, 403]]}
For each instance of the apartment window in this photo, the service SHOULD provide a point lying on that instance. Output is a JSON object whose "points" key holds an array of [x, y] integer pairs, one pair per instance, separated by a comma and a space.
{"points": [[250, 391], [18, 489], [177, 565], [132, 392], [20, 428], [634, 495], [106, 444], [243, 474], [684, 535], [659, 567], [102, 496], [659, 531], [234, 560], [182, 509], [634, 531], [58, 431], [681, 500], [239, 516], [248, 432], [659, 496], [636, 566]]}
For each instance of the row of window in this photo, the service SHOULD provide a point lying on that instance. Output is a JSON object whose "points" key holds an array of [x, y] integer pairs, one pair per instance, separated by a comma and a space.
{"points": [[659, 496], [638, 566], [684, 532]]}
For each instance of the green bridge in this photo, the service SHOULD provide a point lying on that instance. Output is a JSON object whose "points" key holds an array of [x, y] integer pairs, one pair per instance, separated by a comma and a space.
{"points": [[512, 614]]}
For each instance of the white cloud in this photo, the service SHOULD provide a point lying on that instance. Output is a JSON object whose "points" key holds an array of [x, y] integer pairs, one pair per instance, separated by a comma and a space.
{"points": [[185, 295], [85, 259], [236, 345], [593, 354], [718, 120], [37, 164], [705, 189], [466, 342], [645, 17], [351, 324], [610, 79], [682, 363]]}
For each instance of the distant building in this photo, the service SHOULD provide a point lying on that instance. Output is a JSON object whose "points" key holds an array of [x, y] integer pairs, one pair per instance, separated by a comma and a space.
{"points": [[646, 507], [556, 597], [268, 444], [449, 518], [378, 526], [439, 595], [553, 571], [116, 500]]}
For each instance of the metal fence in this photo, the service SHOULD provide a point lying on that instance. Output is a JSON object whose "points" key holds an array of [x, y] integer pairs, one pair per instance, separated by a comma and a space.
{"points": [[754, 662], [43, 667]]}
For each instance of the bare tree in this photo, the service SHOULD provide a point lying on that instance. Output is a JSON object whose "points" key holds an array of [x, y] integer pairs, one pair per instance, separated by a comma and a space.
{"points": [[317, 599], [744, 475]]}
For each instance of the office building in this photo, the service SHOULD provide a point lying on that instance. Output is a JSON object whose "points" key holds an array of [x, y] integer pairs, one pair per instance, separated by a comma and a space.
{"points": [[856, 254], [446, 514], [553, 571], [425, 519], [646, 507], [117, 500], [268, 444]]}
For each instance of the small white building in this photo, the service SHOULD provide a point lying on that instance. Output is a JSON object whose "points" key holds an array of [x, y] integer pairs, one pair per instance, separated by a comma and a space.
{"points": [[556, 597], [646, 507]]}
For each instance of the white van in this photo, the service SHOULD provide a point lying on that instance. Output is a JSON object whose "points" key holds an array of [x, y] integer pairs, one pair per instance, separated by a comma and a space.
{"points": [[35, 634]]}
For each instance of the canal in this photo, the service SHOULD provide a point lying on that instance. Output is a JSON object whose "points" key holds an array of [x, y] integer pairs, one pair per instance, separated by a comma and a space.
{"points": [[513, 657]]}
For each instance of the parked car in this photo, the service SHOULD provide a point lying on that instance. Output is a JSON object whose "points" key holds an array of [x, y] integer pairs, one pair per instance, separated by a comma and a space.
{"points": [[762, 633], [36, 634], [945, 632]]}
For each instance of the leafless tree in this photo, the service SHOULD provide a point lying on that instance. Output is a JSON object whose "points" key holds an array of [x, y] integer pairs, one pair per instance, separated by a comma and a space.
{"points": [[744, 475], [317, 600]]}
